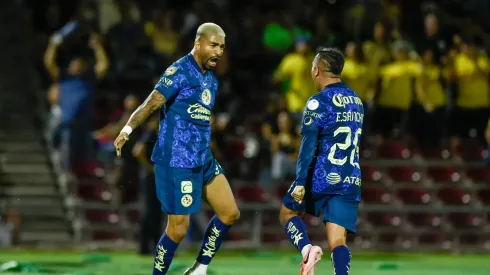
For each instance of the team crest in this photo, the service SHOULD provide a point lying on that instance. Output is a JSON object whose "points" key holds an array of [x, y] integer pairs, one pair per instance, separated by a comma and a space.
{"points": [[170, 71], [206, 97], [186, 200]]}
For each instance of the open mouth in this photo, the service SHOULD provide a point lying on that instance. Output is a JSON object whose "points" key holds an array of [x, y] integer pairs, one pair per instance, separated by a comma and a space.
{"points": [[213, 61]]}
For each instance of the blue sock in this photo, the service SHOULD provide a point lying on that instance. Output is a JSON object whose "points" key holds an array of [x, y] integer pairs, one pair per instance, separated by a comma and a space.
{"points": [[296, 231], [341, 260], [164, 254], [212, 239]]}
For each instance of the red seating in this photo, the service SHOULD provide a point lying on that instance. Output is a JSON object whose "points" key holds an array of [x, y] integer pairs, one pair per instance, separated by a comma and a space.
{"points": [[424, 219], [93, 191], [484, 196], [403, 174], [384, 219], [431, 239], [273, 238], [473, 239], [375, 195], [251, 194], [100, 235], [370, 174], [479, 174], [134, 216], [454, 196], [101, 216], [413, 196], [392, 149], [443, 174], [464, 220]]}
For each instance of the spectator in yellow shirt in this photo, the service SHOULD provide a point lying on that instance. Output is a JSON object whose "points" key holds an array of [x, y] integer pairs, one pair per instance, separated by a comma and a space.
{"points": [[428, 125], [399, 80], [296, 67], [473, 100]]}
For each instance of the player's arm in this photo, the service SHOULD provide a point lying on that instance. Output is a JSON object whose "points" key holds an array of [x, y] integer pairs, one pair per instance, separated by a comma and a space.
{"points": [[101, 60], [284, 70], [310, 130], [166, 88], [50, 59]]}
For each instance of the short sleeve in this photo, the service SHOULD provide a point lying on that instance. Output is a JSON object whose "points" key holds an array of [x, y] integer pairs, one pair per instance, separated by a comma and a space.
{"points": [[170, 82], [312, 116]]}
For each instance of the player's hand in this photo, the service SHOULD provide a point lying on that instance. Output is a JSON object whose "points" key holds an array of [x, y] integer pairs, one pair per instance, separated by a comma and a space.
{"points": [[428, 107], [298, 193], [120, 141]]}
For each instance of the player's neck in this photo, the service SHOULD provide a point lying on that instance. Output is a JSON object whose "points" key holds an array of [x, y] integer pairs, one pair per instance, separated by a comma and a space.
{"points": [[330, 81], [198, 61]]}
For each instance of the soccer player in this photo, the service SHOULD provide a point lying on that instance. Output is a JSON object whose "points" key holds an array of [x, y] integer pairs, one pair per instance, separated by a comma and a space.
{"points": [[331, 131], [185, 169]]}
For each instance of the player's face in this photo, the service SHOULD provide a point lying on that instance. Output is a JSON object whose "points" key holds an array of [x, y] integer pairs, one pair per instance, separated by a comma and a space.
{"points": [[211, 48]]}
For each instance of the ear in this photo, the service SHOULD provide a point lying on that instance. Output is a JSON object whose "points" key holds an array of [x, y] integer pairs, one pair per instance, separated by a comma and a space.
{"points": [[316, 71], [197, 45]]}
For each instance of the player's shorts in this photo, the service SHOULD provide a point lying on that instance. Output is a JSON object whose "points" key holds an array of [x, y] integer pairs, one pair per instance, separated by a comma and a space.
{"points": [[179, 189], [338, 209]]}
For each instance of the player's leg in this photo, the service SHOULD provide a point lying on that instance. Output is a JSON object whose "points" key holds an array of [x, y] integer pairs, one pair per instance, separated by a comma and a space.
{"points": [[179, 198], [340, 216], [217, 193], [290, 217]]}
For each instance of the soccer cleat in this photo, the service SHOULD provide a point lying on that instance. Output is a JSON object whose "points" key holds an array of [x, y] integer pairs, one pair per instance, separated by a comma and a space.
{"points": [[312, 257], [192, 271]]}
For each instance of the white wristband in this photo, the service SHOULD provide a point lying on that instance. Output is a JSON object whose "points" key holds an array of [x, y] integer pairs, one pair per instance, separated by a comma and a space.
{"points": [[127, 129]]}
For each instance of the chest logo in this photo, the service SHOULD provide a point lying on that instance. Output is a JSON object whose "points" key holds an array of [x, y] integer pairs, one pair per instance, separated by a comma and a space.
{"points": [[206, 97]]}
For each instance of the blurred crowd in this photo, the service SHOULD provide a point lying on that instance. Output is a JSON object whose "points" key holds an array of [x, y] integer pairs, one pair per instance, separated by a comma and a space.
{"points": [[423, 78]]}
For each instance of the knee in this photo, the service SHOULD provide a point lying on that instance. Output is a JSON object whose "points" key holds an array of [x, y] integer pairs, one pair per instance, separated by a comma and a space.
{"points": [[177, 227], [286, 214], [230, 216]]}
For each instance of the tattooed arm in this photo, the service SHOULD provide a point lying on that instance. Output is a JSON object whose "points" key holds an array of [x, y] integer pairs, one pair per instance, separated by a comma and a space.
{"points": [[153, 102]]}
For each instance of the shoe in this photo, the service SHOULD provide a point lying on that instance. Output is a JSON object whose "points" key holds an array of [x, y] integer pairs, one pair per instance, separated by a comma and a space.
{"points": [[191, 271], [312, 257]]}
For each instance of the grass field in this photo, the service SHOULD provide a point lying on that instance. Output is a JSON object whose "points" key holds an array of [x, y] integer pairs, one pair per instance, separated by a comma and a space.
{"points": [[244, 264]]}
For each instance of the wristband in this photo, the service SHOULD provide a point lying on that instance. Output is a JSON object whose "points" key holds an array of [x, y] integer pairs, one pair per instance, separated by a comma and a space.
{"points": [[127, 129]]}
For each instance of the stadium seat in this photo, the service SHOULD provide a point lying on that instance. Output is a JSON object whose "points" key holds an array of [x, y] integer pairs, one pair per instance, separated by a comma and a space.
{"points": [[443, 174], [430, 239], [101, 216], [435, 153], [454, 196], [464, 220], [479, 174], [388, 238], [273, 238], [473, 239], [472, 150], [383, 219], [484, 196], [92, 191], [375, 195], [133, 216], [370, 174], [103, 235], [424, 219], [251, 194], [393, 149], [403, 174], [413, 196]]}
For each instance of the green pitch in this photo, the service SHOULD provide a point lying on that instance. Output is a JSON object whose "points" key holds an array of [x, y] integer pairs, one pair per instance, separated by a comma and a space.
{"points": [[242, 264]]}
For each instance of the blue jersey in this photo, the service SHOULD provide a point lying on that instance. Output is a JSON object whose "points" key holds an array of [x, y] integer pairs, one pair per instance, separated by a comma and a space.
{"points": [[185, 131], [331, 130]]}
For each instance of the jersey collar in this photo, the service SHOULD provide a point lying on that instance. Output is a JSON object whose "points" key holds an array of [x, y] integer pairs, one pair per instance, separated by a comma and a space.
{"points": [[336, 85], [194, 63]]}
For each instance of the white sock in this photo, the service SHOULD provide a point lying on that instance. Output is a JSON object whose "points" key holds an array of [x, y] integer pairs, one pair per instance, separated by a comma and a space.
{"points": [[305, 250], [200, 268]]}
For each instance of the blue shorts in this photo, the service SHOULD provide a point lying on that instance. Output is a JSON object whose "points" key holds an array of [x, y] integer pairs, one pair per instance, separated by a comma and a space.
{"points": [[179, 189], [338, 209]]}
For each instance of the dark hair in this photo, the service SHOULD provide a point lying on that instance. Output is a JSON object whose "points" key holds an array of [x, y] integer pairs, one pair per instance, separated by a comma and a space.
{"points": [[333, 60]]}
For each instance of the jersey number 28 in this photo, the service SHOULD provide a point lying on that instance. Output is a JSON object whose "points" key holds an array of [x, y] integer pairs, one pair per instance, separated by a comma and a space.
{"points": [[348, 143]]}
